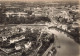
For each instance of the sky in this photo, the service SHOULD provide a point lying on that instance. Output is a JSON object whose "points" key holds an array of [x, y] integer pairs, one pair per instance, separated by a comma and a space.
{"points": [[39, 0]]}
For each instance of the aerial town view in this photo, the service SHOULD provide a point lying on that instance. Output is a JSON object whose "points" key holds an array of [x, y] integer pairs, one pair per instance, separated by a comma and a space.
{"points": [[39, 28]]}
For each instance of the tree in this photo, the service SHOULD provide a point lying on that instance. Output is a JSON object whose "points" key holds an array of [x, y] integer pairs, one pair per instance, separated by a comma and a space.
{"points": [[2, 14]]}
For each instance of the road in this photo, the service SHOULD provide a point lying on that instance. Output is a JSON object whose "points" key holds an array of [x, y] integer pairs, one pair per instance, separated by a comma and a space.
{"points": [[68, 46]]}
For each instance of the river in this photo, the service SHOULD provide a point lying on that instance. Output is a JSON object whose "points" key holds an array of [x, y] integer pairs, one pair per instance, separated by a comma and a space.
{"points": [[68, 46]]}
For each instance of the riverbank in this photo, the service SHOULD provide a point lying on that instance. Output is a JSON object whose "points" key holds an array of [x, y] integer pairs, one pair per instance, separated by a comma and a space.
{"points": [[68, 34]]}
